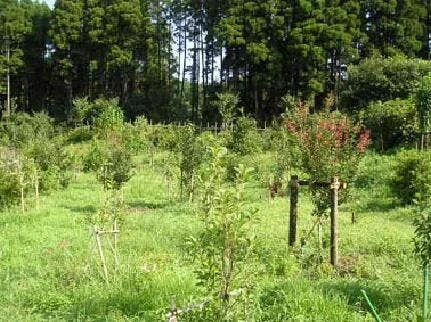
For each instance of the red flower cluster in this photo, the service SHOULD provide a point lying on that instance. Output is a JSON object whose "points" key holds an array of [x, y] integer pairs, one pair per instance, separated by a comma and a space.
{"points": [[364, 140], [330, 143]]}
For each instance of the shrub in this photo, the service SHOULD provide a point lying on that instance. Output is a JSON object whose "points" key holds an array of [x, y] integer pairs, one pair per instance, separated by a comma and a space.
{"points": [[377, 79], [79, 134], [422, 238], [391, 122], [17, 174], [81, 110], [110, 117], [412, 180], [166, 137], [226, 104], [111, 161], [95, 156], [375, 171], [330, 144], [192, 149], [53, 163], [136, 136], [21, 129], [9, 181], [423, 105], [116, 168], [223, 246], [245, 137]]}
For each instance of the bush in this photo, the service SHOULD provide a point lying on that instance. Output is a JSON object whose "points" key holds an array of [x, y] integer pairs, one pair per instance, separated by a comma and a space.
{"points": [[111, 161], [9, 181], [391, 122], [136, 136], [330, 144], [245, 137], [383, 79], [110, 117], [423, 105], [53, 163], [79, 134], [21, 129], [166, 137], [95, 156], [16, 172], [116, 168], [412, 180], [375, 171]]}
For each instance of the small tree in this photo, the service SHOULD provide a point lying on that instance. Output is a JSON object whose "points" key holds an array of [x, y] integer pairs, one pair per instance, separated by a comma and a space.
{"points": [[423, 105], [422, 243], [226, 104], [223, 246], [110, 118], [81, 108], [330, 144]]}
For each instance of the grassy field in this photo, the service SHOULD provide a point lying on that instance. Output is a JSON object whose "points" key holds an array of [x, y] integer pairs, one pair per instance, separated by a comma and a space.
{"points": [[50, 270]]}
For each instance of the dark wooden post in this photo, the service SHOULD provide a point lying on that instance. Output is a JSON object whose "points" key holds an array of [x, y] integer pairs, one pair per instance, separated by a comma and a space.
{"points": [[294, 193], [335, 186]]}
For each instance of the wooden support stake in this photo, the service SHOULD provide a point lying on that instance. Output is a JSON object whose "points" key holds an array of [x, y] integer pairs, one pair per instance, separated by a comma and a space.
{"points": [[335, 186], [294, 193], [100, 251], [21, 182], [115, 229], [173, 311], [36, 189]]}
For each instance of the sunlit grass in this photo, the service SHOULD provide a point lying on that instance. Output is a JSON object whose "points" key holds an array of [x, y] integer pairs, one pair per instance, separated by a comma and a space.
{"points": [[49, 268]]}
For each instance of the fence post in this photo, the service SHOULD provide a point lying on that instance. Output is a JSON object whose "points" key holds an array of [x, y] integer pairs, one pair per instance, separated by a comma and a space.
{"points": [[294, 193], [335, 186]]}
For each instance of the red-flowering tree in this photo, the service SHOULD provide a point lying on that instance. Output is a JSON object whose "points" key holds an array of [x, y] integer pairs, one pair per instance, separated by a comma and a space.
{"points": [[330, 145]]}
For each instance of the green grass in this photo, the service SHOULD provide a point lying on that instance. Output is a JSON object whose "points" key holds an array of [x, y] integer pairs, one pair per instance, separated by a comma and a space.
{"points": [[49, 269]]}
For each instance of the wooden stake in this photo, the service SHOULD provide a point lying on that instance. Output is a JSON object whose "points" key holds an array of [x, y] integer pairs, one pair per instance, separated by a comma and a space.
{"points": [[115, 229], [21, 182], [173, 311], [36, 189], [335, 186], [100, 251], [169, 188], [294, 193]]}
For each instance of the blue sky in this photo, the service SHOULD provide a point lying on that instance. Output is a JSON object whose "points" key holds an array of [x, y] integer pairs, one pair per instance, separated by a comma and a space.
{"points": [[50, 3]]}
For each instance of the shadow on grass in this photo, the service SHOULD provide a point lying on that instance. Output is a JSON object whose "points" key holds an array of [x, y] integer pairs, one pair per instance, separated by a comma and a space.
{"points": [[379, 205], [148, 205], [88, 209], [384, 298]]}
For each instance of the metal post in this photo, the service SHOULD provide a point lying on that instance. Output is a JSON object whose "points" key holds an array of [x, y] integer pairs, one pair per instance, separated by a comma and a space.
{"points": [[425, 291], [294, 193]]}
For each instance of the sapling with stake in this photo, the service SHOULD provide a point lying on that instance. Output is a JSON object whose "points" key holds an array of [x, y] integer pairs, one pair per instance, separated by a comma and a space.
{"points": [[224, 245], [115, 171], [422, 249]]}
